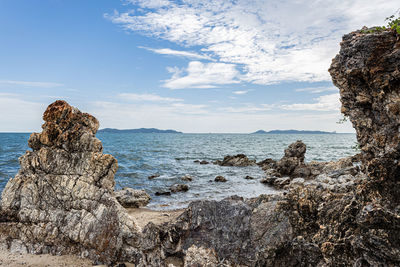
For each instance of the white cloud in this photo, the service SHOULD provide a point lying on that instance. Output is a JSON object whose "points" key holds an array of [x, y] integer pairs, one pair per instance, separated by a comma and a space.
{"points": [[272, 41], [150, 3], [316, 90], [243, 92], [324, 103], [148, 97], [22, 115], [171, 52], [247, 108], [32, 84], [202, 75]]}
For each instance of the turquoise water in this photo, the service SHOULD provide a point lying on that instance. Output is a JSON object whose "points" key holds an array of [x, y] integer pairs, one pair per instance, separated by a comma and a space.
{"points": [[172, 156]]}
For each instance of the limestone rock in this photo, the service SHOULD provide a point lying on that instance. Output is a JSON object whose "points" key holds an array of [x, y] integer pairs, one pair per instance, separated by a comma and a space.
{"points": [[131, 198]]}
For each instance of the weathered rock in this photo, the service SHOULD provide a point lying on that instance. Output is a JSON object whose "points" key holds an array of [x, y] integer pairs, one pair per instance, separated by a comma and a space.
{"points": [[367, 73], [220, 178], [61, 201], [292, 163], [187, 178], [240, 160], [200, 256], [131, 198], [179, 188], [249, 177], [267, 164], [204, 162]]}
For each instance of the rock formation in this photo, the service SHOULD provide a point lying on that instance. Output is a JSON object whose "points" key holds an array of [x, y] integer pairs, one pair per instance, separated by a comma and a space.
{"points": [[367, 72], [239, 160], [61, 201]]}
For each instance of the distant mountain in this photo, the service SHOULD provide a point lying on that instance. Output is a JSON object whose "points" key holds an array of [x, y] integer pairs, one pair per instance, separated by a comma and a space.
{"points": [[141, 130], [291, 132]]}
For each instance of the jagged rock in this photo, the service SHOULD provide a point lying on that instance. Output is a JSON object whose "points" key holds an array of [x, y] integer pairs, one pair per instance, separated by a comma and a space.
{"points": [[267, 164], [179, 188], [131, 198], [220, 178], [61, 201], [292, 163], [240, 160], [249, 177], [367, 73], [296, 150], [187, 178]]}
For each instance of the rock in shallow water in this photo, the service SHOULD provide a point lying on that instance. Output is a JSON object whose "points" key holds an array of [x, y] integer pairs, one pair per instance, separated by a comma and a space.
{"points": [[220, 178], [240, 160], [179, 188]]}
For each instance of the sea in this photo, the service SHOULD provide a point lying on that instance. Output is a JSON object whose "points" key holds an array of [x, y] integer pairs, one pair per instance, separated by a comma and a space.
{"points": [[172, 156]]}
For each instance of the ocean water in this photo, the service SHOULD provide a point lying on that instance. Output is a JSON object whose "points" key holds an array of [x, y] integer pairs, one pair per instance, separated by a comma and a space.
{"points": [[172, 155]]}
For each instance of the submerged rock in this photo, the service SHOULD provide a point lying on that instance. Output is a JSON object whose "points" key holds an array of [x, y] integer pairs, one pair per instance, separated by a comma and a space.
{"points": [[240, 160], [131, 198]]}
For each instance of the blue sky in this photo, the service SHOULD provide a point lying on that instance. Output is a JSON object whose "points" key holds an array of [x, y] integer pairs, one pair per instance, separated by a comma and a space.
{"points": [[193, 66]]}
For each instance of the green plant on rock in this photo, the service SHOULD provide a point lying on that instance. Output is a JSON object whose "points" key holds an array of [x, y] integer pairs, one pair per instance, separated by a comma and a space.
{"points": [[393, 23]]}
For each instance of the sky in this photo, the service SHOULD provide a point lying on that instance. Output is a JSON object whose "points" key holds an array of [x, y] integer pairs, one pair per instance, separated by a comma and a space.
{"points": [[193, 66]]}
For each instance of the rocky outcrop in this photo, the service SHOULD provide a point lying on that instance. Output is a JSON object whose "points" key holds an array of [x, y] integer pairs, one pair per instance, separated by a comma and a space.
{"points": [[240, 160], [61, 201], [131, 198], [292, 163], [367, 73]]}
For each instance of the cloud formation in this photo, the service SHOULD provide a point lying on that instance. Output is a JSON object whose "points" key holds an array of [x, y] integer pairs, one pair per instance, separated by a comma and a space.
{"points": [[268, 41], [177, 53], [323, 103], [202, 75]]}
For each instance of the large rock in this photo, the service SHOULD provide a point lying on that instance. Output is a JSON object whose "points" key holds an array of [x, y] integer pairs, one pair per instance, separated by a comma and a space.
{"points": [[367, 72], [239, 160], [131, 198], [61, 201], [292, 163]]}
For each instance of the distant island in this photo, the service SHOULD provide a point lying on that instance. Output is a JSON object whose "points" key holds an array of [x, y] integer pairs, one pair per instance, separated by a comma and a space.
{"points": [[291, 132], [141, 130]]}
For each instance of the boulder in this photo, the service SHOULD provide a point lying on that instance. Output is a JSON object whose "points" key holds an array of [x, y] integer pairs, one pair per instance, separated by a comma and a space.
{"points": [[179, 188], [131, 198], [239, 160], [151, 177]]}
